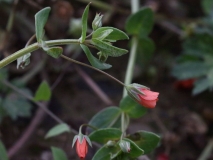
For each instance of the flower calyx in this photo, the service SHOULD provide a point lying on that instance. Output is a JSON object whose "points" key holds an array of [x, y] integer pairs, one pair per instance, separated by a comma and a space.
{"points": [[97, 22], [125, 146]]}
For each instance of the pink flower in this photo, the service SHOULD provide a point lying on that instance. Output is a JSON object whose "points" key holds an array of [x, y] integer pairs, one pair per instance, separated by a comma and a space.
{"points": [[81, 142], [143, 95], [81, 148], [149, 98]]}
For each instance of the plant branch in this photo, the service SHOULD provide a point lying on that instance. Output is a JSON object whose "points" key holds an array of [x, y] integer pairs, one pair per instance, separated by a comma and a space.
{"points": [[86, 65], [34, 47]]}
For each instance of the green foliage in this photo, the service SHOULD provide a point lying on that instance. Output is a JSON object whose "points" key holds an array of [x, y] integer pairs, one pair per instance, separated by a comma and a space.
{"points": [[109, 34], [58, 154], [93, 60], [104, 135], [57, 130], [43, 92], [145, 140], [105, 153], [132, 108], [145, 50], [196, 62], [141, 22], [108, 49], [16, 106], [55, 52], [40, 21], [84, 24], [3, 152], [114, 152], [207, 6], [106, 118]]}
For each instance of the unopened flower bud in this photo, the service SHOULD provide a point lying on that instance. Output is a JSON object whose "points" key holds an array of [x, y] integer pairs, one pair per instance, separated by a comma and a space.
{"points": [[125, 146], [97, 22], [81, 142], [142, 95]]}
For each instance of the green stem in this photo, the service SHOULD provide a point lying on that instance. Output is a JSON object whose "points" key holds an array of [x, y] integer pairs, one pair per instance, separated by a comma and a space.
{"points": [[86, 65], [131, 63], [130, 67], [34, 47]]}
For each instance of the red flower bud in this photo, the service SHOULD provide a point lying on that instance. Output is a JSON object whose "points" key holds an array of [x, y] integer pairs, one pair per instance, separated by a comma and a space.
{"points": [[143, 95], [81, 142], [81, 148]]}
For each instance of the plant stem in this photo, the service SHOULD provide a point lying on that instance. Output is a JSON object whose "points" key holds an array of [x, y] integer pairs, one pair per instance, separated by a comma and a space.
{"points": [[207, 151], [34, 47], [130, 67], [86, 65]]}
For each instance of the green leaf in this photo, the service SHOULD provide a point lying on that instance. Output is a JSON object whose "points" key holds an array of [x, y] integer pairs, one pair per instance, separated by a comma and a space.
{"points": [[105, 153], [108, 49], [3, 74], [43, 93], [84, 24], [115, 35], [17, 106], [135, 151], [145, 50], [3, 152], [198, 45], [207, 6], [106, 117], [55, 52], [93, 60], [58, 154], [23, 61], [57, 130], [145, 140], [132, 108], [102, 35], [104, 135], [201, 85], [140, 22], [40, 21], [190, 70]]}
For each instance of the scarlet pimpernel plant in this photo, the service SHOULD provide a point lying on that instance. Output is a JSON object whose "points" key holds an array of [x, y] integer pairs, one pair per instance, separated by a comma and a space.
{"points": [[107, 128]]}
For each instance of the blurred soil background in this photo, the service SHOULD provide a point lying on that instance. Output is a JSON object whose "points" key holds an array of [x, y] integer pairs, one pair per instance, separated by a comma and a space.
{"points": [[184, 122]]}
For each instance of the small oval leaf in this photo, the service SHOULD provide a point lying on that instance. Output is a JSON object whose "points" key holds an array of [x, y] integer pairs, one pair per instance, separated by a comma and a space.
{"points": [[43, 92], [140, 22], [104, 135], [106, 117], [3, 152], [55, 52], [93, 60], [108, 49], [40, 21], [132, 108], [58, 154], [147, 141], [58, 129], [84, 23], [115, 35]]}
